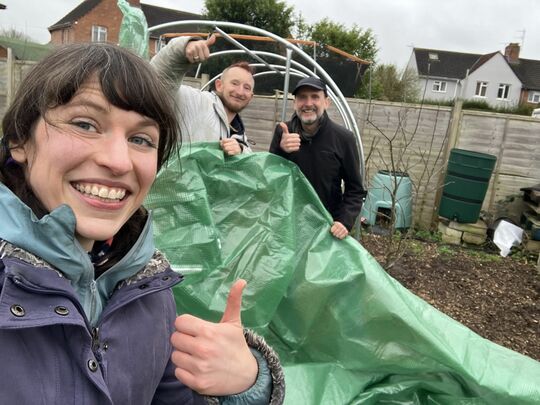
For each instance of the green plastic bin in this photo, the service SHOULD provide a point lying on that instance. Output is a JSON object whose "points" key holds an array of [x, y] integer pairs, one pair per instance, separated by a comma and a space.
{"points": [[465, 185], [385, 185]]}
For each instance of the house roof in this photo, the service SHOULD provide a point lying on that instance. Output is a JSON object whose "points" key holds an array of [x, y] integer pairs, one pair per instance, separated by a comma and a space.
{"points": [[25, 50], [159, 15], [481, 60], [82, 9], [451, 65], [528, 71], [154, 15], [454, 65]]}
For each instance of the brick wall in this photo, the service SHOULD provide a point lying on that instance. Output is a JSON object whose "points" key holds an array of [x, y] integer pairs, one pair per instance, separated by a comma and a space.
{"points": [[109, 16]]}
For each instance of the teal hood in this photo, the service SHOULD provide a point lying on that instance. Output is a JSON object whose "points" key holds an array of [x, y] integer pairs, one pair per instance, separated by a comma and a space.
{"points": [[52, 238]]}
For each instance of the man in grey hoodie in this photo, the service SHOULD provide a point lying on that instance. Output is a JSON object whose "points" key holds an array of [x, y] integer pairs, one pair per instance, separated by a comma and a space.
{"points": [[207, 116]]}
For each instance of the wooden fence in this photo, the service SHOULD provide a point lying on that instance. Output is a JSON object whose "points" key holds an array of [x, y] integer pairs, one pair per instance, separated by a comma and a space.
{"points": [[418, 139], [405, 137]]}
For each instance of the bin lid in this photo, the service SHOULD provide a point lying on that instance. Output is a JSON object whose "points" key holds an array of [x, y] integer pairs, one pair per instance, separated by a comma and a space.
{"points": [[473, 154], [393, 174]]}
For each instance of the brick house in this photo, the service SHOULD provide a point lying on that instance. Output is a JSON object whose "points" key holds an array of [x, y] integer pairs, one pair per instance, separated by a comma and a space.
{"points": [[100, 20]]}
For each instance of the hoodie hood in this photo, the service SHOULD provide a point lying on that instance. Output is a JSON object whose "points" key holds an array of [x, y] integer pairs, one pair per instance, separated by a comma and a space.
{"points": [[52, 238]]}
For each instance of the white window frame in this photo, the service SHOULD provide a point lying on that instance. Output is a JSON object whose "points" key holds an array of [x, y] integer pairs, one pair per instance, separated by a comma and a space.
{"points": [[433, 56], [99, 33], [534, 97], [505, 89], [481, 89], [439, 86]]}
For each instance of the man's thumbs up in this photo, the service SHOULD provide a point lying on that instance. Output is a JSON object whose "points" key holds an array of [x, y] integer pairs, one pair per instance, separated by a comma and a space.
{"points": [[290, 142], [198, 51], [211, 40], [214, 358]]}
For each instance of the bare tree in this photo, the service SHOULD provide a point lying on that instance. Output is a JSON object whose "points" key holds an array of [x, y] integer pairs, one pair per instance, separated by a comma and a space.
{"points": [[402, 153]]}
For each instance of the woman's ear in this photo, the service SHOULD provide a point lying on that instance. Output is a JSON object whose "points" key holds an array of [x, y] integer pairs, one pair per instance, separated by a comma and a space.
{"points": [[18, 153]]}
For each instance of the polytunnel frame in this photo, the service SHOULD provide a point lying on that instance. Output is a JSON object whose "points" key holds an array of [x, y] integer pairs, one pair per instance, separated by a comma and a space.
{"points": [[338, 97], [303, 72]]}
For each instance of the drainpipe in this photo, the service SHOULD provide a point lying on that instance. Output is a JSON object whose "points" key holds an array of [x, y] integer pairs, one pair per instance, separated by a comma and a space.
{"points": [[465, 82]]}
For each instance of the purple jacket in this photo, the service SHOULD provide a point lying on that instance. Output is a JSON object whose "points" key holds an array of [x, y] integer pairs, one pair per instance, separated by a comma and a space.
{"points": [[66, 338], [50, 355]]}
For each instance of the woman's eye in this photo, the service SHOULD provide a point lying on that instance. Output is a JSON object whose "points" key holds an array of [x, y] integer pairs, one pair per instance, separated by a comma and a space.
{"points": [[143, 141], [84, 125]]}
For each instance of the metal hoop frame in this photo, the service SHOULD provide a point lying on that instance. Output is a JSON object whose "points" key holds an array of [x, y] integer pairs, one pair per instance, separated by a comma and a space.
{"points": [[298, 70]]}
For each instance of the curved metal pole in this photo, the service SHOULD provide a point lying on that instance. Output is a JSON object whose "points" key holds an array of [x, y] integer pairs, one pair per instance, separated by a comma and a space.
{"points": [[239, 45], [331, 94], [297, 67], [317, 68], [286, 84]]}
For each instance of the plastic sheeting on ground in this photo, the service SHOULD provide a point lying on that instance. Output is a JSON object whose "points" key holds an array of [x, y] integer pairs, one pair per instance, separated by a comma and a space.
{"points": [[346, 332]]}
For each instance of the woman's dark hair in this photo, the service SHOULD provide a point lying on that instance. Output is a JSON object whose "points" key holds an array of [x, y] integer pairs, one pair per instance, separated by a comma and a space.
{"points": [[127, 81]]}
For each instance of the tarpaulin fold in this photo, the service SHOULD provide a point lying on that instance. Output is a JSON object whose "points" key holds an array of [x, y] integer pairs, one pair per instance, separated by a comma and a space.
{"points": [[346, 332], [133, 32]]}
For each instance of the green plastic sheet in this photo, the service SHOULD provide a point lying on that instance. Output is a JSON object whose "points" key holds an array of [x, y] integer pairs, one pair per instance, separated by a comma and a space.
{"points": [[134, 33], [346, 332]]}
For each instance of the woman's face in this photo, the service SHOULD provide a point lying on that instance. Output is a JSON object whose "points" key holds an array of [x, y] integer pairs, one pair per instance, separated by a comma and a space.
{"points": [[98, 159]]}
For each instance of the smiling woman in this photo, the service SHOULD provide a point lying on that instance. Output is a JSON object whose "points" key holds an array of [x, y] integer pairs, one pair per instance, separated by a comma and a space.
{"points": [[90, 128], [87, 154]]}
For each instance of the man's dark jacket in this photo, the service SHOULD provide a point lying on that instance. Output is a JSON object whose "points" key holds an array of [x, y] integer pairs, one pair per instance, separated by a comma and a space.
{"points": [[326, 158]]}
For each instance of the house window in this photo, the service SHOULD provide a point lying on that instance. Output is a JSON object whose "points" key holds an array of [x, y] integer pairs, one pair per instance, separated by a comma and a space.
{"points": [[481, 89], [65, 36], [502, 93], [99, 34], [534, 97], [439, 86], [433, 56]]}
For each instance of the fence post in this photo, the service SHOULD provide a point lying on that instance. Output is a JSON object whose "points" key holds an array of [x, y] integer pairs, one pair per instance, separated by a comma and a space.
{"points": [[10, 77], [495, 178]]}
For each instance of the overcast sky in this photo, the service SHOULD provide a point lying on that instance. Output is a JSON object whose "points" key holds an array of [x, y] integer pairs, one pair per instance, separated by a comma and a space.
{"points": [[475, 26]]}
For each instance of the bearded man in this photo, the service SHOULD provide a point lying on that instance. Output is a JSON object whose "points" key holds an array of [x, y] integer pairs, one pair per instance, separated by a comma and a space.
{"points": [[325, 152]]}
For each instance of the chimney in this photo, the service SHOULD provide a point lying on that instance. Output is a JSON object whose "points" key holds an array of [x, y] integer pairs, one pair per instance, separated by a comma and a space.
{"points": [[512, 52]]}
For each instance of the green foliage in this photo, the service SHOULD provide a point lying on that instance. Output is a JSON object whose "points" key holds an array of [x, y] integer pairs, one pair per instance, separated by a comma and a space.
{"points": [[445, 250], [415, 247], [476, 105], [521, 109], [386, 83], [356, 41], [427, 235], [270, 15], [483, 256], [447, 103], [14, 34]]}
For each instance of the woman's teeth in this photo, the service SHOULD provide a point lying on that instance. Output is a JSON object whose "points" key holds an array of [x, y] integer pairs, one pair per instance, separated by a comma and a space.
{"points": [[101, 191]]}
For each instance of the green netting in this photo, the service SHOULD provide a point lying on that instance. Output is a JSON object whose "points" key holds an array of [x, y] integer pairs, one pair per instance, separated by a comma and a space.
{"points": [[346, 332]]}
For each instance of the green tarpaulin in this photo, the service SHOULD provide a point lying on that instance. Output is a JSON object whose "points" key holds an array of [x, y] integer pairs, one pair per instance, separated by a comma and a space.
{"points": [[133, 30], [346, 332]]}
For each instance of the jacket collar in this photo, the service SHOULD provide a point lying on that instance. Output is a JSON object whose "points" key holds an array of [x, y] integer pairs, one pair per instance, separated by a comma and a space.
{"points": [[52, 238], [296, 126]]}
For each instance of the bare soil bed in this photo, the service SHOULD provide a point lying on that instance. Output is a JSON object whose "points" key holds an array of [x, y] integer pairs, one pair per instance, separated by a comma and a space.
{"points": [[496, 297]]}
